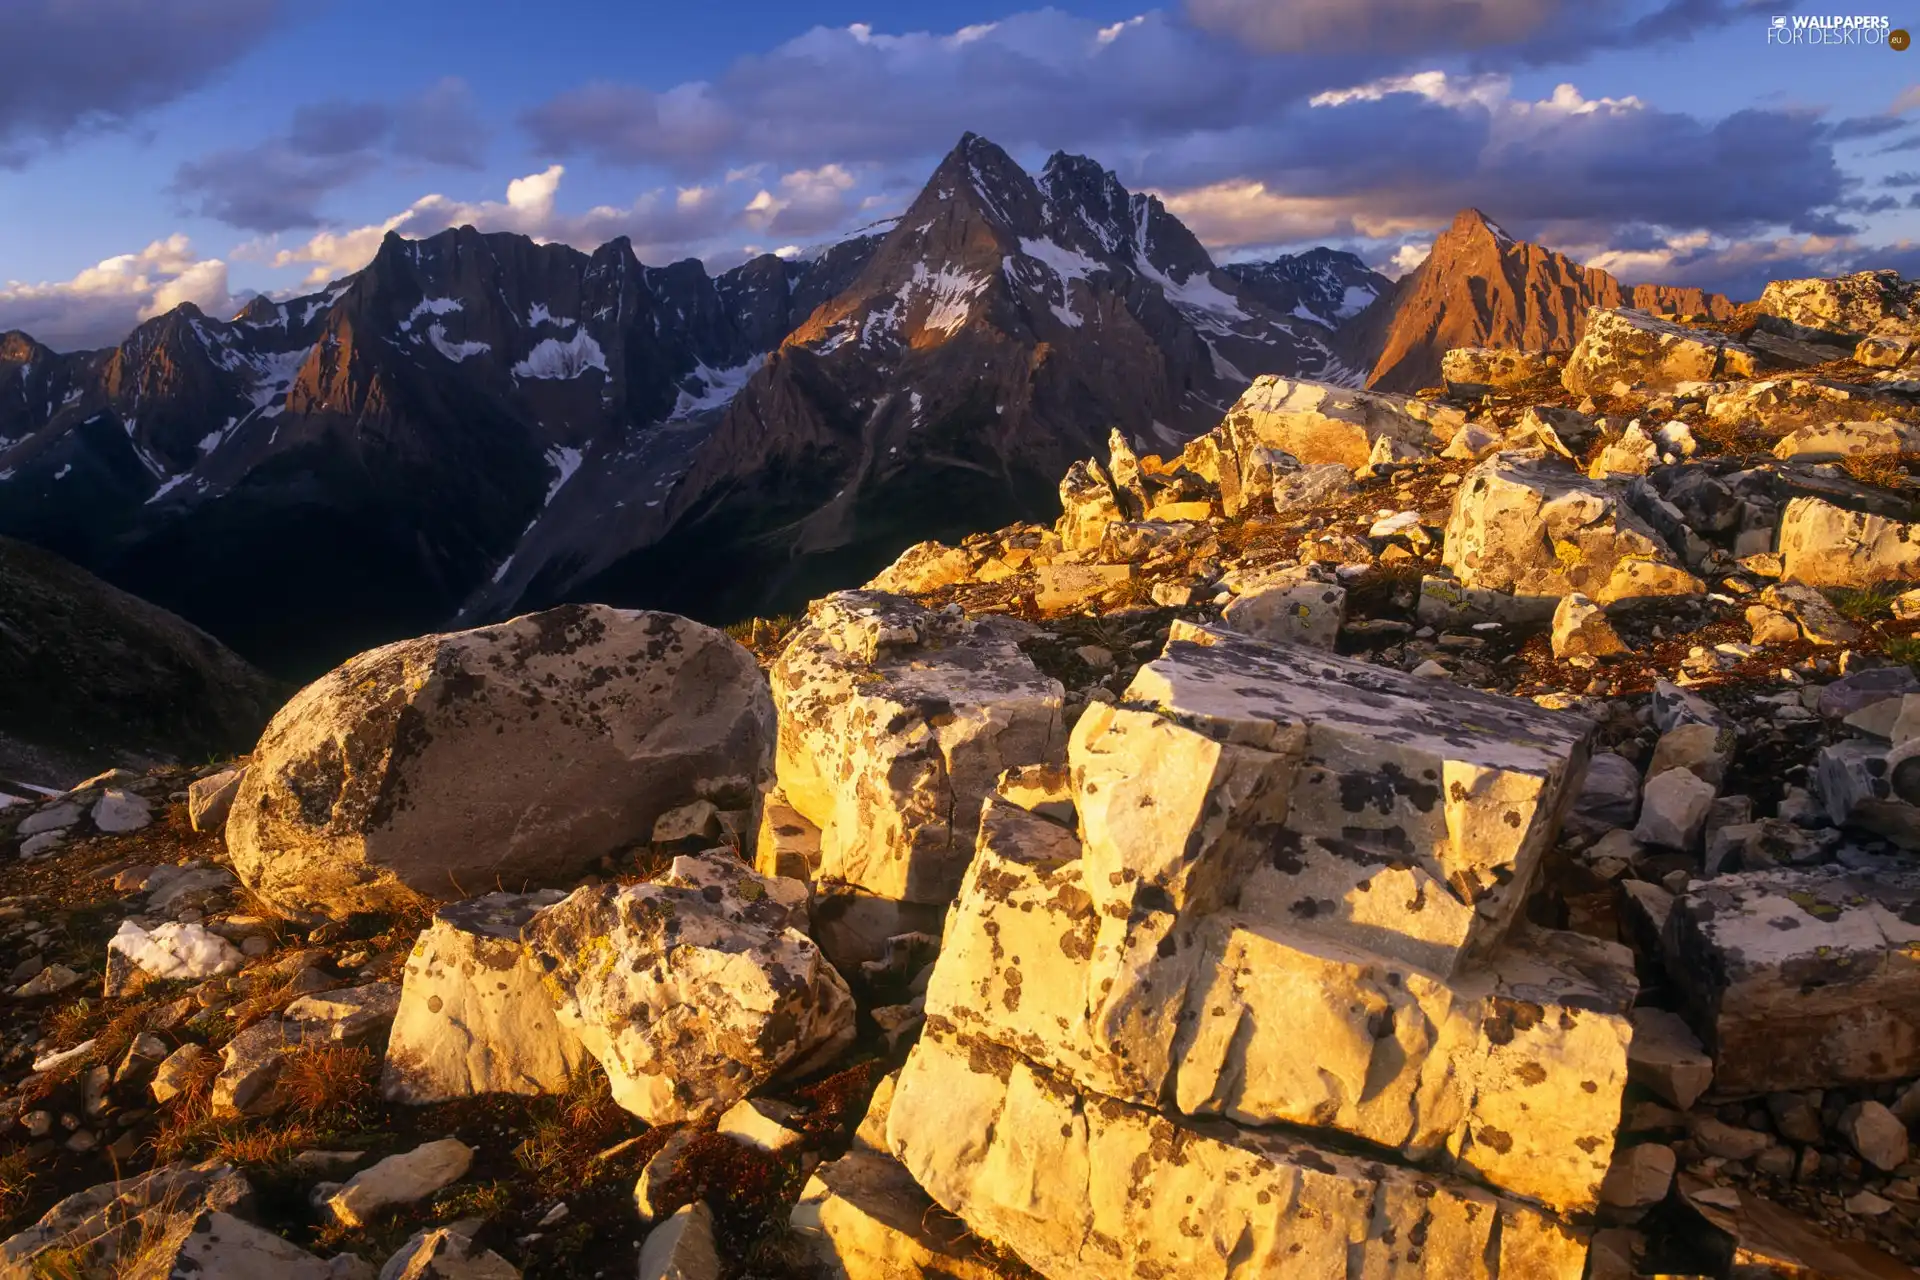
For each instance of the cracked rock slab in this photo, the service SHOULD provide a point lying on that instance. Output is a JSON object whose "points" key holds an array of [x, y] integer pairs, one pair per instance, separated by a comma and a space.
{"points": [[894, 722], [1800, 979]]}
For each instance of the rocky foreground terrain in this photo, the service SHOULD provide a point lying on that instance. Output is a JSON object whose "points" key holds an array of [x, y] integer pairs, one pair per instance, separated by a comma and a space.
{"points": [[1468, 834]]}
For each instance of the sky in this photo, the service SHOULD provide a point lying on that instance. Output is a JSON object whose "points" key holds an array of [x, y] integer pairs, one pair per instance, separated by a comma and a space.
{"points": [[160, 151]]}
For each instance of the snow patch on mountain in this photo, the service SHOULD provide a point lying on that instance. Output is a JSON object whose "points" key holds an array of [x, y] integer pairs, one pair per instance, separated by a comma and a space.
{"points": [[553, 358], [431, 307], [717, 387], [1066, 263], [950, 295], [537, 315], [564, 461], [454, 351]]}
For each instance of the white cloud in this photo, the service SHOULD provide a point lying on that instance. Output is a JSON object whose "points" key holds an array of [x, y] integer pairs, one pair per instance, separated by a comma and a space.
{"points": [[98, 305]]}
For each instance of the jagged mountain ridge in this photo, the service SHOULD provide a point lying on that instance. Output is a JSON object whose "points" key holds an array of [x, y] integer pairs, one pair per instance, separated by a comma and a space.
{"points": [[475, 425], [346, 466], [1328, 285], [1481, 287], [1002, 329]]}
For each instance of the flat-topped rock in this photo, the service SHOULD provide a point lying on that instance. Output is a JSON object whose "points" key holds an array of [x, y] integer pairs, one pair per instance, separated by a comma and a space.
{"points": [[1083, 1186], [1318, 423], [1526, 523], [1824, 545], [1799, 979], [1622, 345], [474, 1015], [893, 723], [1850, 306], [1326, 1036], [1369, 805]]}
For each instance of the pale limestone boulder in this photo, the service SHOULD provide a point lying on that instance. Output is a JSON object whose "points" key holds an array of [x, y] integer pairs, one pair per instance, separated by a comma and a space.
{"points": [[1832, 441], [922, 567], [1799, 979], [1087, 505], [682, 1248], [117, 812], [1581, 631], [695, 989], [399, 1179], [218, 1246], [1876, 1133], [788, 845], [1327, 1035], [1315, 422], [1641, 1176], [893, 724], [474, 1014], [170, 1078], [1667, 1057], [1474, 371], [1633, 454], [1673, 809], [1866, 302], [511, 756], [110, 1223], [1827, 546], [250, 1068], [1884, 353], [210, 799], [1331, 792], [1704, 749], [1080, 1186], [1309, 613], [445, 1253], [350, 1015], [1622, 345], [1526, 524]]}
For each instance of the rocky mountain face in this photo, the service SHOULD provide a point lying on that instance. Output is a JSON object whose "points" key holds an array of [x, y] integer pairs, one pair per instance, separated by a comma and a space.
{"points": [[97, 678], [1004, 326], [1469, 834], [475, 423], [1327, 285], [322, 473], [1480, 287]]}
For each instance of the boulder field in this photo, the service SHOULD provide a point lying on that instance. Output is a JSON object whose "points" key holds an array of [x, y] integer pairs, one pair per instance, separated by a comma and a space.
{"points": [[1463, 834]]}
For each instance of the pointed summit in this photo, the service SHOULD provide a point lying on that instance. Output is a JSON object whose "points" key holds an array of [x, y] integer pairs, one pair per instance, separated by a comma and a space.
{"points": [[1480, 287]]}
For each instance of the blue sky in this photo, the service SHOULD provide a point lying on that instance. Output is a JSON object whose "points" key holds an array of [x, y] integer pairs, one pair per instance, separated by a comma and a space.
{"points": [[154, 151]]}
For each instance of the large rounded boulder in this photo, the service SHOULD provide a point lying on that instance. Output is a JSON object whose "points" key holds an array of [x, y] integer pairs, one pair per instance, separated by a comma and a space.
{"points": [[509, 757]]}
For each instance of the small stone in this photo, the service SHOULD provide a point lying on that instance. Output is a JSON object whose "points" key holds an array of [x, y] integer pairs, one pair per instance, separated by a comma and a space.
{"points": [[1794, 1118], [1706, 750], [210, 799], [256, 946], [118, 812], [660, 1171], [1673, 810], [1876, 1133], [1639, 1176], [1667, 1057], [1581, 630], [691, 824], [681, 1248], [1729, 1141], [749, 1122], [399, 1179], [38, 1124], [1865, 1204], [180, 1066], [51, 980], [447, 1253]]}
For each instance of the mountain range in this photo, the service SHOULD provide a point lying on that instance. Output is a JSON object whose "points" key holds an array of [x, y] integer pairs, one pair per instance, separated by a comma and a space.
{"points": [[476, 424]]}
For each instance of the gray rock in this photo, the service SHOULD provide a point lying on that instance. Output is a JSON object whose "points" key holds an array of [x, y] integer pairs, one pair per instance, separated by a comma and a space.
{"points": [[1876, 1133], [1641, 1176], [1309, 613], [210, 799], [474, 1015], [1624, 345], [1800, 979], [51, 817], [445, 1253], [514, 754], [118, 812], [1667, 1058], [692, 990], [399, 1179], [1673, 810], [682, 1248]]}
